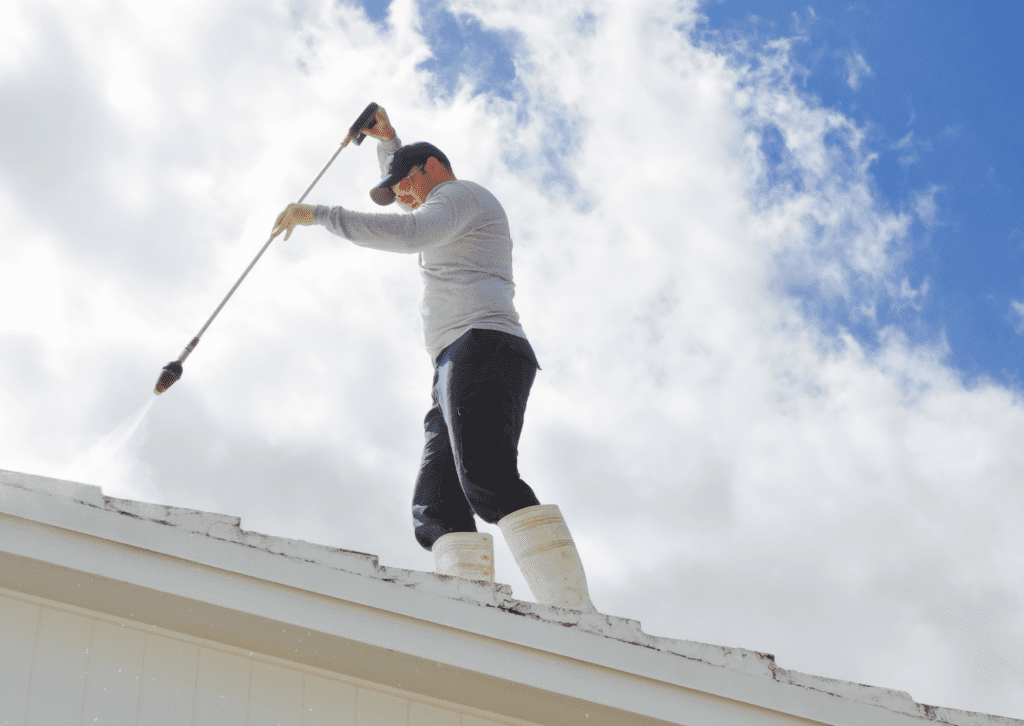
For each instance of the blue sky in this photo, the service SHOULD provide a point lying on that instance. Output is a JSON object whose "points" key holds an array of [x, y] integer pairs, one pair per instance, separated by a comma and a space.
{"points": [[460, 45], [938, 93], [949, 73]]}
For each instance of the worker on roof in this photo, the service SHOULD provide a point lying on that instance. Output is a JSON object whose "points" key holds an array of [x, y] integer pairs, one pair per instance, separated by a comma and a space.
{"points": [[484, 367]]}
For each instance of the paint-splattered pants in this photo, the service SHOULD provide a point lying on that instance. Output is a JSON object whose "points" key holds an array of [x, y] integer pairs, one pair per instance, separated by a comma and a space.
{"points": [[470, 457]]}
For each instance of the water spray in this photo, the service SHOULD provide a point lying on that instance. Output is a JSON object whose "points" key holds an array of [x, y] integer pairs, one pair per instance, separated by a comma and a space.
{"points": [[173, 370]]}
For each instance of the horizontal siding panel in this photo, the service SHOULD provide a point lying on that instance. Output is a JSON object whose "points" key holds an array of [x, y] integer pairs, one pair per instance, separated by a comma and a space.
{"points": [[18, 624], [222, 689], [115, 675], [168, 682], [328, 703], [57, 686]]}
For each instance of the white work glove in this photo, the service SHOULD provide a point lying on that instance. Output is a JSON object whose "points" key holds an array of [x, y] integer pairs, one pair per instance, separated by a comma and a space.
{"points": [[292, 215], [382, 130]]}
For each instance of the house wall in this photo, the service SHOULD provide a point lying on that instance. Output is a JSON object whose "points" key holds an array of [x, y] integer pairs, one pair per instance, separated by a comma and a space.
{"points": [[61, 664]]}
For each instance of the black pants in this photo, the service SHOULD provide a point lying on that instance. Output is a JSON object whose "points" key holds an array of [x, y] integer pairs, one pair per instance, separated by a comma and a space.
{"points": [[470, 458]]}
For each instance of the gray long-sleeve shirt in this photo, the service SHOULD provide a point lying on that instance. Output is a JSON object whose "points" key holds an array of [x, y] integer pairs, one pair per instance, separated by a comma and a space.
{"points": [[462, 237]]}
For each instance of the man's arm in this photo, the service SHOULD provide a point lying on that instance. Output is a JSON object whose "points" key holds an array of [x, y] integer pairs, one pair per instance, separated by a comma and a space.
{"points": [[388, 140], [447, 215], [388, 144]]}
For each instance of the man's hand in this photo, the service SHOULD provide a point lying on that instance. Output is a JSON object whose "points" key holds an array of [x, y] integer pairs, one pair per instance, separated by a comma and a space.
{"points": [[292, 215], [382, 130]]}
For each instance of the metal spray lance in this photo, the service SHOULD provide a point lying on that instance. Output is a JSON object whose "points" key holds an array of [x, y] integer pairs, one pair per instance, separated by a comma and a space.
{"points": [[173, 370]]}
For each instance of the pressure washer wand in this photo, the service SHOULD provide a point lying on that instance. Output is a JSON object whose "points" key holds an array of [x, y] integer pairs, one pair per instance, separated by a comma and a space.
{"points": [[173, 370]]}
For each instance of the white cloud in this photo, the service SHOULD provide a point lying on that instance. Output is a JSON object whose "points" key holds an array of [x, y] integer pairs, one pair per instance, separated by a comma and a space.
{"points": [[856, 69], [1017, 316], [905, 143], [925, 205], [31, 300], [690, 406], [908, 159], [909, 145]]}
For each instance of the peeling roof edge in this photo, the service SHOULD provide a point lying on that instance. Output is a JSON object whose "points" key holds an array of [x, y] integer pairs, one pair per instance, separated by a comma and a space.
{"points": [[495, 595]]}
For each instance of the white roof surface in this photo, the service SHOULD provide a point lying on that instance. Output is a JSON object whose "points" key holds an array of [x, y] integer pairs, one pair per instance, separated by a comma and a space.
{"points": [[476, 626]]}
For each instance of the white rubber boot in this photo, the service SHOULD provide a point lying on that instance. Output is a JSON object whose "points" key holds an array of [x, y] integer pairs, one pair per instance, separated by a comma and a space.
{"points": [[544, 550], [465, 554]]}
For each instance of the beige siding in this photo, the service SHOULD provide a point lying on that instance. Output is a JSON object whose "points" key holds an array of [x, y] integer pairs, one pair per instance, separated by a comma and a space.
{"points": [[380, 709], [60, 663], [115, 672], [18, 624], [222, 689], [168, 682], [64, 665], [421, 714], [276, 696], [328, 703]]}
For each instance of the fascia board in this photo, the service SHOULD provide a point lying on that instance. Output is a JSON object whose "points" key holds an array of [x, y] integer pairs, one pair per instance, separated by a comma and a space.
{"points": [[204, 566], [403, 637]]}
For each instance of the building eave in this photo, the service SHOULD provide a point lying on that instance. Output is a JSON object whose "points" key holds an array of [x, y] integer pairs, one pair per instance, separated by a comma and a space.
{"points": [[200, 573]]}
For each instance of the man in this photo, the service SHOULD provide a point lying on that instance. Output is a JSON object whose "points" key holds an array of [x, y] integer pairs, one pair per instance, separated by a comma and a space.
{"points": [[483, 368]]}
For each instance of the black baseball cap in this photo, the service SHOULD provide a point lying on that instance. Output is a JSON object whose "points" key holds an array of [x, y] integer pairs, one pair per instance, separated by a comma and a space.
{"points": [[402, 162]]}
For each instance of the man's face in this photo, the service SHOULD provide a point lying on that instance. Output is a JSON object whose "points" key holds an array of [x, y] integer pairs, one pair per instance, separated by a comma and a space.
{"points": [[412, 191]]}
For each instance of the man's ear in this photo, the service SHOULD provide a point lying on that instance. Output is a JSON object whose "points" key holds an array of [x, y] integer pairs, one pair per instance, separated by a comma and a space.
{"points": [[437, 170]]}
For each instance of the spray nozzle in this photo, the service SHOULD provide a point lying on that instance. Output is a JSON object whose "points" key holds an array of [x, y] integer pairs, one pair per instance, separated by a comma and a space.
{"points": [[170, 373]]}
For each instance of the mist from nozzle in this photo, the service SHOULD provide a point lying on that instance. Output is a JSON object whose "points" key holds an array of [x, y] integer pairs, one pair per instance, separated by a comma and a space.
{"points": [[112, 460], [170, 373]]}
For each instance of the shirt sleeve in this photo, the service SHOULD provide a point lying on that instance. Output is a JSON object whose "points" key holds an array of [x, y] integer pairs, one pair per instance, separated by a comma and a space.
{"points": [[385, 149], [444, 217]]}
